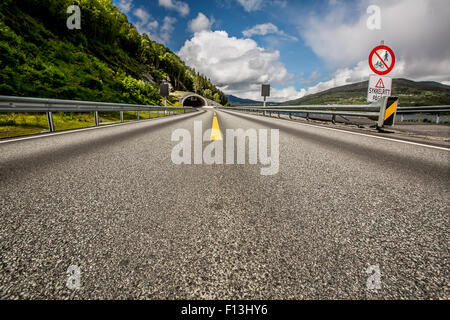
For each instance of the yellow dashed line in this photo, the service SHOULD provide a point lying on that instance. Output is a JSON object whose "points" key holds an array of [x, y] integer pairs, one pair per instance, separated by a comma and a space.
{"points": [[215, 130]]}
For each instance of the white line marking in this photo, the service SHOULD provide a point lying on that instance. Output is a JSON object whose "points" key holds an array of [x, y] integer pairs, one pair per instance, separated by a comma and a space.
{"points": [[365, 135], [47, 135]]}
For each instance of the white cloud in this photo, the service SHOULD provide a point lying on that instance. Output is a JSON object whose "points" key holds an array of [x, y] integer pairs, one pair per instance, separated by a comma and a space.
{"points": [[200, 23], [236, 65], [261, 29], [254, 5], [167, 28], [417, 30], [142, 15], [289, 93], [342, 77], [265, 29], [181, 7], [153, 25], [312, 78], [148, 25], [125, 5], [251, 5]]}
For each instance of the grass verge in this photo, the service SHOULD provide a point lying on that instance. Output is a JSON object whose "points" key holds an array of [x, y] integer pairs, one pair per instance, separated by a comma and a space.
{"points": [[22, 124]]}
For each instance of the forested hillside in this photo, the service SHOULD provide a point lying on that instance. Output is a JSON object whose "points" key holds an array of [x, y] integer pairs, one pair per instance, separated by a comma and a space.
{"points": [[107, 60]]}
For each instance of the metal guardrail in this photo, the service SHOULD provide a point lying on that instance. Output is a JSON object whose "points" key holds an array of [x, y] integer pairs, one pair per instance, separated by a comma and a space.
{"points": [[23, 104], [433, 110], [424, 109], [374, 111]]}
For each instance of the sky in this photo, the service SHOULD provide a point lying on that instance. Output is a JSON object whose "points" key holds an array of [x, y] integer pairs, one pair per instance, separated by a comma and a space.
{"points": [[299, 47]]}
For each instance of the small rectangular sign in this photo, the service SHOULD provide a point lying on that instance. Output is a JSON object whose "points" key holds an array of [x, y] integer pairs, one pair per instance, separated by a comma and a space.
{"points": [[265, 90], [164, 89], [378, 87]]}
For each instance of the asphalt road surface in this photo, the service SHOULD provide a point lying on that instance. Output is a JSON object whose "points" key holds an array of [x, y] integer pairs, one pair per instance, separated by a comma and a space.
{"points": [[110, 201]]}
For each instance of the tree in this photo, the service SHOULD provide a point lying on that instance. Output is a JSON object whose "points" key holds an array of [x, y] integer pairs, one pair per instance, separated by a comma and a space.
{"points": [[207, 94], [217, 98]]}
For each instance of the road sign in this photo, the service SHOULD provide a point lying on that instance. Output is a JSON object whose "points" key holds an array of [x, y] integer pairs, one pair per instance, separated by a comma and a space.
{"points": [[382, 60], [378, 87], [265, 90], [164, 89]]}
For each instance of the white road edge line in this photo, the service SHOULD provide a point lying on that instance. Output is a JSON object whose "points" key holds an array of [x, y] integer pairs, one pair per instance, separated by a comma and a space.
{"points": [[47, 135], [368, 135]]}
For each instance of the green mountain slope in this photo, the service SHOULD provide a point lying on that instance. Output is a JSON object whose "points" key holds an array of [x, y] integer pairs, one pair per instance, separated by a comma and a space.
{"points": [[410, 93], [107, 60]]}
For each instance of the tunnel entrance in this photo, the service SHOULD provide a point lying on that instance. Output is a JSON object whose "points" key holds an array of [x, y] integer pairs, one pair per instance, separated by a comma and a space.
{"points": [[194, 101]]}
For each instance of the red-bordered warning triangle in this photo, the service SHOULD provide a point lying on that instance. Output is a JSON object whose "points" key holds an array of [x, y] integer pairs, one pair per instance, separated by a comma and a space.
{"points": [[380, 84]]}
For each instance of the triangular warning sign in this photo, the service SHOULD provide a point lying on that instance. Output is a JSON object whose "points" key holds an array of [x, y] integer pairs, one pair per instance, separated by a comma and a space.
{"points": [[380, 84]]}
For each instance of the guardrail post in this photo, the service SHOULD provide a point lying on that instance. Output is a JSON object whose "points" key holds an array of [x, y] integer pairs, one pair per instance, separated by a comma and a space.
{"points": [[290, 115], [96, 119], [383, 103], [121, 116], [307, 116], [51, 124], [138, 115], [279, 115], [333, 119], [149, 114], [401, 117], [437, 118]]}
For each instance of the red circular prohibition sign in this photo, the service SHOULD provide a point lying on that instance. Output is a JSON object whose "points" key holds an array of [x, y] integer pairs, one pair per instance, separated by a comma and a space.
{"points": [[389, 68]]}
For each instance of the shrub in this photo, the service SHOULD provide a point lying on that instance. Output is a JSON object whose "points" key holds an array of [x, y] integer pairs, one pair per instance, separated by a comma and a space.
{"points": [[91, 83]]}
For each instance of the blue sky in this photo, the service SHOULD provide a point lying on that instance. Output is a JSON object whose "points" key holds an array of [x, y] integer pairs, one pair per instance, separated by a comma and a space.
{"points": [[300, 47]]}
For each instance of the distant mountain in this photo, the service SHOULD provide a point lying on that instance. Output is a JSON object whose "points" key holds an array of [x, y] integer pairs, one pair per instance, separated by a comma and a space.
{"points": [[410, 93], [233, 100], [236, 101]]}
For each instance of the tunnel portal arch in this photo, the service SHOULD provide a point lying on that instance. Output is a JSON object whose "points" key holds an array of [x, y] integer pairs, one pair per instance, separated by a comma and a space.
{"points": [[193, 100]]}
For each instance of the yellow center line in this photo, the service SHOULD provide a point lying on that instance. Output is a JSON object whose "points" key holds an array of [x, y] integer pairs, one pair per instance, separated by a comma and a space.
{"points": [[215, 130]]}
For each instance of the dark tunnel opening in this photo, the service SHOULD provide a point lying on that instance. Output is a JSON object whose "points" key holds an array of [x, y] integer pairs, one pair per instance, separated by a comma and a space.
{"points": [[195, 102]]}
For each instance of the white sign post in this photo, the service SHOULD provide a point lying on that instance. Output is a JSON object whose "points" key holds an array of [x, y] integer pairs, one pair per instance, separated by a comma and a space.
{"points": [[378, 87]]}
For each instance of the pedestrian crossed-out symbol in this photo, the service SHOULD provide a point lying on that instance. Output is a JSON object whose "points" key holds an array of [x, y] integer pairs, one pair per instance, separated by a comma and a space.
{"points": [[382, 60]]}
